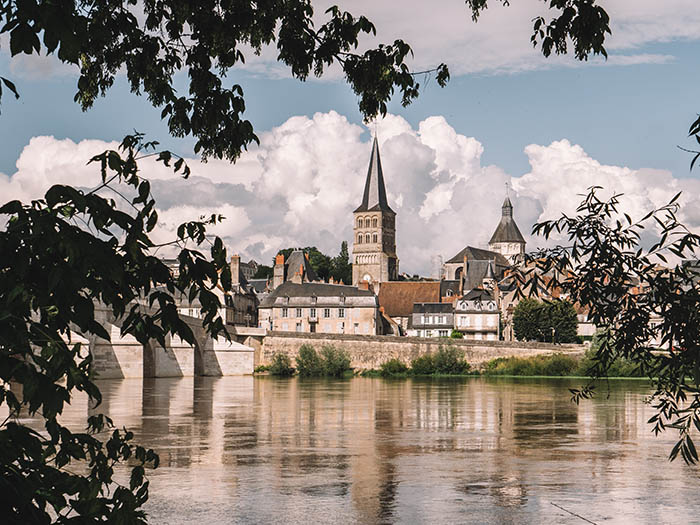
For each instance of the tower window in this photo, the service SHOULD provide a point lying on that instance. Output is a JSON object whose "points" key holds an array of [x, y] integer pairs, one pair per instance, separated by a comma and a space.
{"points": [[359, 222], [374, 236], [359, 238], [367, 238], [374, 222]]}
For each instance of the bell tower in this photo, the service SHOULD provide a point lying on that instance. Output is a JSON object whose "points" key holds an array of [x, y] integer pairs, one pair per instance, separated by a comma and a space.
{"points": [[374, 244]]}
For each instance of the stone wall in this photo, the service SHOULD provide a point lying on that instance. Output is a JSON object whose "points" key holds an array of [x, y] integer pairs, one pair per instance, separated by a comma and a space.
{"points": [[367, 352]]}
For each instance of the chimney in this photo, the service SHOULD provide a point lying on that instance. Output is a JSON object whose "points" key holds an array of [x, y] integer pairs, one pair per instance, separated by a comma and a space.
{"points": [[463, 277], [278, 271], [235, 271]]}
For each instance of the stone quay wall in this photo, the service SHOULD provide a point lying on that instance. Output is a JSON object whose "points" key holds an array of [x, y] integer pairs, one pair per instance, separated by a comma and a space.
{"points": [[369, 352]]}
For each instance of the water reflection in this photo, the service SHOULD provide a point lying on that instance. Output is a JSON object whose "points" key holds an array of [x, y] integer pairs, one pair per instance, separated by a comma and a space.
{"points": [[251, 450]]}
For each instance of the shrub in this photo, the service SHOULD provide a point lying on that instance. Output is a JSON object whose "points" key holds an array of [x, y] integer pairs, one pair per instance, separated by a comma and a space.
{"points": [[393, 367], [450, 360], [423, 365], [281, 365], [539, 365], [456, 335], [334, 362], [261, 368], [308, 361]]}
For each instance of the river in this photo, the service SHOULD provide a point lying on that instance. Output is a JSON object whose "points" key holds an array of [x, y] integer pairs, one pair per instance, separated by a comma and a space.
{"points": [[468, 450]]}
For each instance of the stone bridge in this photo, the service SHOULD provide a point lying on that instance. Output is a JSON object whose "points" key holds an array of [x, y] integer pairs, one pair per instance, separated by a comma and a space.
{"points": [[124, 356]]}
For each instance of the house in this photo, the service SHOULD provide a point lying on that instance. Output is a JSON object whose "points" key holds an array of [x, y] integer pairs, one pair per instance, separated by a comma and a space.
{"points": [[431, 320], [396, 298], [315, 307], [476, 315]]}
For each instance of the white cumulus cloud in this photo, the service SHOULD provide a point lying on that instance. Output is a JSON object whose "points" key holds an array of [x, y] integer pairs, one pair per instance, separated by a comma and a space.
{"points": [[300, 186]]}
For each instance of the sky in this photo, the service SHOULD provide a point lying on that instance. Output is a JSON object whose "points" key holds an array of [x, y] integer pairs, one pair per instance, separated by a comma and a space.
{"points": [[549, 127]]}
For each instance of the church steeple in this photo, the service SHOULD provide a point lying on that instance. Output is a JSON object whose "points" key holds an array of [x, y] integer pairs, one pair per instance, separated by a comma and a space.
{"points": [[374, 246], [374, 198], [507, 239]]}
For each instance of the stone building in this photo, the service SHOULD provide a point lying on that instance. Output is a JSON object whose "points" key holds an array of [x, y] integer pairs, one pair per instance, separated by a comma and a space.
{"points": [[432, 320], [374, 257], [315, 307], [507, 239], [470, 266], [476, 315]]}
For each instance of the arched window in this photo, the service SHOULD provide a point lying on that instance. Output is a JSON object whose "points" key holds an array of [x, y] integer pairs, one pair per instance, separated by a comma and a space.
{"points": [[374, 222], [367, 238], [359, 222], [374, 237], [359, 238]]}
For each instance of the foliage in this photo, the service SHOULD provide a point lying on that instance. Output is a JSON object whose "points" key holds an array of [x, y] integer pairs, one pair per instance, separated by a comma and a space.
{"points": [[338, 267], [634, 301], [153, 41], [261, 368], [393, 367], [63, 257], [455, 334], [526, 320], [334, 362], [580, 22], [263, 272], [539, 365], [551, 321], [619, 367], [448, 360], [330, 362], [423, 365], [308, 361], [341, 268], [281, 365]]}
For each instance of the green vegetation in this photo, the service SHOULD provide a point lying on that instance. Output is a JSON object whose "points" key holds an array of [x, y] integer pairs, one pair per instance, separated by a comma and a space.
{"points": [[331, 362], [334, 362], [455, 334], [281, 365], [338, 267], [261, 368], [551, 321], [539, 365], [393, 368]]}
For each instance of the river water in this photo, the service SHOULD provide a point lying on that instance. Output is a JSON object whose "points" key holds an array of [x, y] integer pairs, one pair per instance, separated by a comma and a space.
{"points": [[468, 450]]}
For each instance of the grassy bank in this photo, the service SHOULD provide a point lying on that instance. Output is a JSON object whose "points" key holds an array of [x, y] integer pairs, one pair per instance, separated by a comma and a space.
{"points": [[446, 361]]}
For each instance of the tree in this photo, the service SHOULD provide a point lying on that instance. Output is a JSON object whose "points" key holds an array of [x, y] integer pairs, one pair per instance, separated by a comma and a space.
{"points": [[263, 272], [62, 255], [526, 320], [645, 306], [151, 41], [342, 268]]}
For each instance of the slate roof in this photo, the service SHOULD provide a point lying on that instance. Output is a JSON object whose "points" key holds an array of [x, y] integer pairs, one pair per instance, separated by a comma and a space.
{"points": [[325, 294], [477, 254], [297, 260], [258, 285], [432, 308], [507, 230], [374, 198], [449, 286], [397, 297]]}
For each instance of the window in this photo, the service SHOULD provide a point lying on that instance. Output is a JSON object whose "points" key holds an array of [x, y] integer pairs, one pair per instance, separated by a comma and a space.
{"points": [[298, 327], [341, 313], [367, 238], [341, 328], [374, 237], [285, 326], [285, 312], [326, 312], [359, 222], [359, 238], [374, 222], [299, 312], [428, 333], [312, 313], [443, 333]]}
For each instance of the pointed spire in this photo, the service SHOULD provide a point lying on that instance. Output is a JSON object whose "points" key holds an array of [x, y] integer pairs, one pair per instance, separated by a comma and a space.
{"points": [[374, 197], [507, 207]]}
